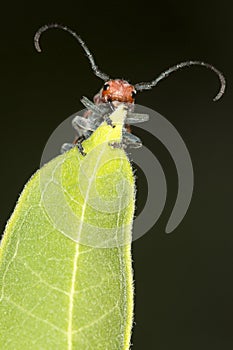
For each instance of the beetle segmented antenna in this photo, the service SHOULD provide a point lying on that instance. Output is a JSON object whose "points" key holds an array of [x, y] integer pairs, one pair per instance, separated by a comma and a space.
{"points": [[149, 85], [94, 67]]}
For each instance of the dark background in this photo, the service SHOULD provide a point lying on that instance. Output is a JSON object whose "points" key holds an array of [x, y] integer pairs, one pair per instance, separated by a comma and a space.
{"points": [[184, 284]]}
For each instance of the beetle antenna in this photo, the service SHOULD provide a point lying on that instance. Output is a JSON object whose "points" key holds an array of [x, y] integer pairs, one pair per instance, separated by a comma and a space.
{"points": [[94, 67], [149, 85]]}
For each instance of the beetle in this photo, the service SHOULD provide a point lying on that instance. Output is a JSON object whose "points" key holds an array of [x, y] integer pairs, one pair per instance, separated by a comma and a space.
{"points": [[113, 93]]}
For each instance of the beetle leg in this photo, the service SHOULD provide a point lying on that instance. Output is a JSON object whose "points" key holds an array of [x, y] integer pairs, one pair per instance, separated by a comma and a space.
{"points": [[121, 145], [133, 118], [97, 110], [66, 147], [90, 105], [106, 116], [84, 123], [111, 105], [108, 120], [78, 143], [131, 140]]}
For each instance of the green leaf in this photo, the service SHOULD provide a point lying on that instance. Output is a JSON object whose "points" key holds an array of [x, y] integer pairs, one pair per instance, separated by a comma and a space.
{"points": [[65, 258]]}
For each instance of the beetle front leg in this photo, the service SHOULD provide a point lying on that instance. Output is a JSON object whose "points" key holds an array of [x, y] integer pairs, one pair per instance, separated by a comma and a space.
{"points": [[78, 143]]}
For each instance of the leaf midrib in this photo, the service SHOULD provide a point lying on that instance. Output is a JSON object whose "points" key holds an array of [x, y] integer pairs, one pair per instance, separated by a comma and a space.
{"points": [[74, 274], [71, 297]]}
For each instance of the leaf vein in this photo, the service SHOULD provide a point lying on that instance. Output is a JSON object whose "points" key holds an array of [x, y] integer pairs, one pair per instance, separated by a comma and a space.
{"points": [[34, 316]]}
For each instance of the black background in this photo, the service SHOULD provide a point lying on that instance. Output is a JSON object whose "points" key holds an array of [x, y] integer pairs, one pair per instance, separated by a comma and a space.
{"points": [[183, 281]]}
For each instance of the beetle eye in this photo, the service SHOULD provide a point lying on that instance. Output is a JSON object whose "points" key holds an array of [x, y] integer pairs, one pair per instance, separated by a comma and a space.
{"points": [[106, 87], [133, 94]]}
